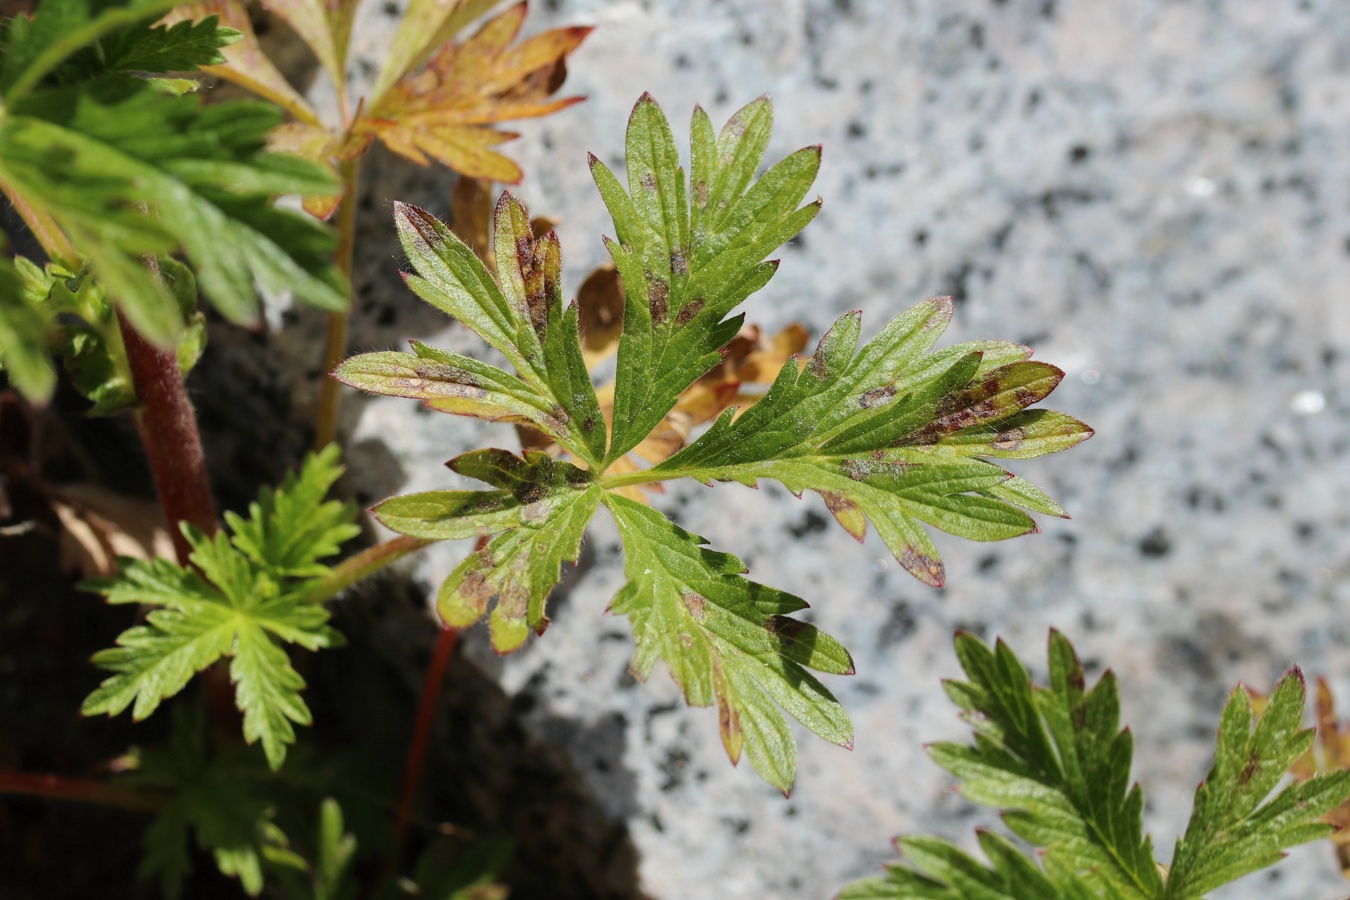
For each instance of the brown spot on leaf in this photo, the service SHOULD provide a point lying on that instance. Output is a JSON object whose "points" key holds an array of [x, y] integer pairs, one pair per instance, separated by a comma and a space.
{"points": [[1010, 439], [786, 627], [689, 310], [926, 568], [648, 181], [678, 266], [846, 513], [659, 300], [696, 604], [1249, 770], [701, 195], [876, 395]]}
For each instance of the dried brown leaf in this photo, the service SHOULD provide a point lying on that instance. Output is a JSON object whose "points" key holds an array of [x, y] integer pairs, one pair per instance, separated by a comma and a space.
{"points": [[446, 111], [99, 525]]}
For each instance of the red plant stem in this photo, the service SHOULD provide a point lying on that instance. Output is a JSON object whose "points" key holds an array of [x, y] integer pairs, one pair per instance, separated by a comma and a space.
{"points": [[421, 736], [84, 790], [168, 428]]}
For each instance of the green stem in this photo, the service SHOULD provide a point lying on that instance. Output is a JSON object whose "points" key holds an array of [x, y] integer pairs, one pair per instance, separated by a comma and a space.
{"points": [[642, 476], [365, 564], [84, 790], [335, 348]]}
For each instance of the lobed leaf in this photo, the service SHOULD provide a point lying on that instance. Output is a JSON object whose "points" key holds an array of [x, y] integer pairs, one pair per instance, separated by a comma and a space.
{"points": [[1054, 758], [242, 599], [684, 270], [728, 640], [446, 111], [1237, 826], [292, 527], [524, 319], [894, 435]]}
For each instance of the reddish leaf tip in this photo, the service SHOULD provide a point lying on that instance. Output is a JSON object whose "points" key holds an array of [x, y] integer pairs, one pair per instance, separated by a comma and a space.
{"points": [[847, 745]]}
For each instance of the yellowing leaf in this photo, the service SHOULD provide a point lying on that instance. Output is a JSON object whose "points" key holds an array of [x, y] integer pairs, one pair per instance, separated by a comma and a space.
{"points": [[426, 25], [325, 25], [322, 146], [445, 111]]}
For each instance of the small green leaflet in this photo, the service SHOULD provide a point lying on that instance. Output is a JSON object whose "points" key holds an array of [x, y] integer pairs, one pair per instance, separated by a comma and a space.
{"points": [[59, 29], [181, 47], [689, 258], [1054, 760], [728, 640], [244, 599], [541, 508], [23, 331], [894, 434], [291, 528], [891, 433], [1237, 827]]}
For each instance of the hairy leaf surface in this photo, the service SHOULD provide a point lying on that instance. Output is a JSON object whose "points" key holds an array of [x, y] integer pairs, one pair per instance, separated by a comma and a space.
{"points": [[894, 434], [727, 640], [97, 157], [689, 257]]}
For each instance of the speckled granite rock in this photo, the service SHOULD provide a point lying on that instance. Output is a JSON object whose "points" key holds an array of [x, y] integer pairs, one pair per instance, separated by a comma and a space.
{"points": [[1153, 195]]}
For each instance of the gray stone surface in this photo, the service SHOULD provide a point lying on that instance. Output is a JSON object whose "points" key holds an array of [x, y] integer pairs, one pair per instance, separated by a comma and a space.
{"points": [[1152, 194]]}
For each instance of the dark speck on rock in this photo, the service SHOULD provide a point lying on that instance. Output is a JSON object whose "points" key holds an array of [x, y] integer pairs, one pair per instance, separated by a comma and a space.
{"points": [[1155, 544], [810, 523]]}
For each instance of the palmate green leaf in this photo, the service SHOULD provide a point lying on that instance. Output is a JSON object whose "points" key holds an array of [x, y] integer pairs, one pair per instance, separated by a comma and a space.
{"points": [[1056, 760], [97, 156], [1237, 826], [291, 528], [890, 433], [243, 599], [238, 613], [728, 640], [897, 435], [689, 257], [523, 318]]}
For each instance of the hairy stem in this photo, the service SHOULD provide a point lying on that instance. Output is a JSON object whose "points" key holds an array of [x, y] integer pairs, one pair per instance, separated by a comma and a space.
{"points": [[168, 428], [84, 790], [364, 564], [335, 348], [421, 736]]}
